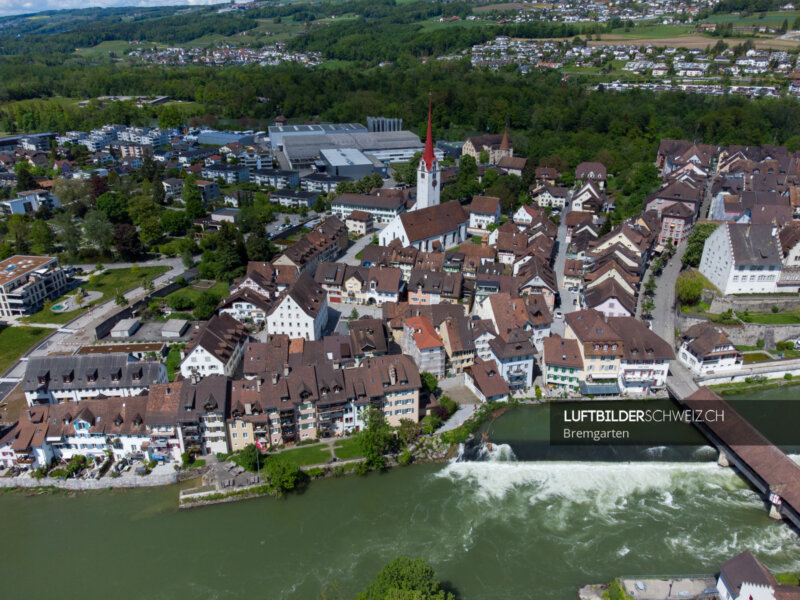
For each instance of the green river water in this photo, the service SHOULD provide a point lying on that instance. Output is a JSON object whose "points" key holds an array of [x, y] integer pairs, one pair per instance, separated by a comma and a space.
{"points": [[495, 529]]}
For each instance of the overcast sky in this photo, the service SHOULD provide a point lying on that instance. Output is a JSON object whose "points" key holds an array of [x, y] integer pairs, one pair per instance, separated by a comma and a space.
{"points": [[15, 7]]}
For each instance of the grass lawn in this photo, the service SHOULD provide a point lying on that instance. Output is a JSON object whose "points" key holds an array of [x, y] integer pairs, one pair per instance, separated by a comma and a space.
{"points": [[111, 281], [15, 341], [107, 283], [748, 348], [220, 288], [347, 448], [788, 578], [172, 361], [655, 31], [756, 357], [770, 318], [308, 455]]}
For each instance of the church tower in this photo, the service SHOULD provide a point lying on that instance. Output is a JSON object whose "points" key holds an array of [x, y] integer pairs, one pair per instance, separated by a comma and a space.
{"points": [[428, 182]]}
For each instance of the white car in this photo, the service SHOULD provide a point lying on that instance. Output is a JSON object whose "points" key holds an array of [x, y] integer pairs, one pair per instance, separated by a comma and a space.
{"points": [[558, 314]]}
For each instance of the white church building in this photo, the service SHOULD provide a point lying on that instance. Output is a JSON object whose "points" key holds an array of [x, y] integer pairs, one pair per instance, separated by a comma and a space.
{"points": [[429, 225]]}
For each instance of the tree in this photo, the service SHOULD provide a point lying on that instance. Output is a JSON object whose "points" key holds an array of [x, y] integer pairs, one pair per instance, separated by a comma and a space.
{"points": [[115, 207], [647, 306], [483, 156], [688, 288], [42, 237], [187, 259], [120, 299], [25, 179], [650, 285], [405, 578], [147, 284], [353, 315], [175, 222], [249, 458], [259, 247], [98, 230], [376, 439], [694, 245], [408, 431], [205, 306], [429, 382], [283, 474], [68, 234], [69, 191], [20, 232], [127, 242]]}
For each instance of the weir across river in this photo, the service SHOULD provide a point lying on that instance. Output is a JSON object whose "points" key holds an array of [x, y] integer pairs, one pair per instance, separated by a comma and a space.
{"points": [[741, 445]]}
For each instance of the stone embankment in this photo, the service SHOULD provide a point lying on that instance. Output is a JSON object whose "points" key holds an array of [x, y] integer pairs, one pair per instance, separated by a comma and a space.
{"points": [[133, 481]]}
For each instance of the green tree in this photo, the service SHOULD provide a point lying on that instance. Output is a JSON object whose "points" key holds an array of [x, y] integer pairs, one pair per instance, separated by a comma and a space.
{"points": [[647, 306], [25, 179], [688, 288], [115, 207], [408, 431], [187, 259], [694, 245], [282, 473], [429, 382], [650, 285], [205, 306], [483, 157], [42, 237], [127, 242], [260, 248], [120, 299], [175, 222], [250, 458], [376, 439], [68, 234], [405, 578], [98, 230], [20, 231]]}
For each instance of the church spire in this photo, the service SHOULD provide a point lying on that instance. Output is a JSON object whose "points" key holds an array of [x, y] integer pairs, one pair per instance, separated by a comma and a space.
{"points": [[428, 155]]}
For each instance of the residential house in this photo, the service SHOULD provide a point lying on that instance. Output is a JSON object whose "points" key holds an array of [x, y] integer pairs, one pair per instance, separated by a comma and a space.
{"points": [[302, 311], [424, 346], [513, 354], [277, 178], [359, 223], [294, 198], [483, 378], [215, 348], [513, 165], [546, 195], [562, 364], [57, 379], [610, 298], [459, 344], [246, 306], [325, 243], [706, 349], [588, 198], [591, 172], [483, 212], [384, 205], [676, 224], [744, 577]]}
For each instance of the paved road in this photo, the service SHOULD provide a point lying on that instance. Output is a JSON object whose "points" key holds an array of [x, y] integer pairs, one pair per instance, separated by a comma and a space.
{"points": [[464, 412], [664, 298], [567, 297]]}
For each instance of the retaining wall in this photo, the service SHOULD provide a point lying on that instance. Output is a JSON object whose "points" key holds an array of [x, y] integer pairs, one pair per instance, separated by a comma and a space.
{"points": [[747, 334], [755, 303], [152, 480]]}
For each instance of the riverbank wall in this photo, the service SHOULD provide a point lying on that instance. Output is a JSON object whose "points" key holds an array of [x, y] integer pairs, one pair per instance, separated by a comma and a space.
{"points": [[82, 485]]}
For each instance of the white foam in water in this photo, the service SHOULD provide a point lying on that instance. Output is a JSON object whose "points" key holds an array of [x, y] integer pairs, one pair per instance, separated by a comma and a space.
{"points": [[606, 485]]}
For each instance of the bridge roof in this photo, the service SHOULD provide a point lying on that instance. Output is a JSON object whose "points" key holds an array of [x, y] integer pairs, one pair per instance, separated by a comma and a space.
{"points": [[778, 471]]}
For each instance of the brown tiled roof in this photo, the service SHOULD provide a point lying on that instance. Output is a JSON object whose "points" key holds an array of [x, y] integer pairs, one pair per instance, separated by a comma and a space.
{"points": [[512, 162], [639, 342], [307, 293], [561, 352], [488, 379], [432, 221], [704, 337], [458, 334], [382, 202], [609, 288], [484, 204], [359, 215], [789, 237], [246, 295], [582, 170], [487, 141], [219, 336]]}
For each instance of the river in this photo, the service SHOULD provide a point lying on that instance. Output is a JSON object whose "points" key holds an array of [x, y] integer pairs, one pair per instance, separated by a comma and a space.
{"points": [[496, 529]]}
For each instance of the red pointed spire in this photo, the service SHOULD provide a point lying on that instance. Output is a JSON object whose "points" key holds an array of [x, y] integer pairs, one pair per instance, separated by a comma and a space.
{"points": [[428, 155]]}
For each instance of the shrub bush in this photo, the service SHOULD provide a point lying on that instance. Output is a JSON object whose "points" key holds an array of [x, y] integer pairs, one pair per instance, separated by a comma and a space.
{"points": [[760, 343]]}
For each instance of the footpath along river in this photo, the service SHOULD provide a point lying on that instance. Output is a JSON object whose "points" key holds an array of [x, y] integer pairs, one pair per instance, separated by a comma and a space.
{"points": [[505, 528]]}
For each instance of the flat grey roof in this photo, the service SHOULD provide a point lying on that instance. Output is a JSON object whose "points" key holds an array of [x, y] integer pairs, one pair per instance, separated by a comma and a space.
{"points": [[309, 146], [321, 127]]}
